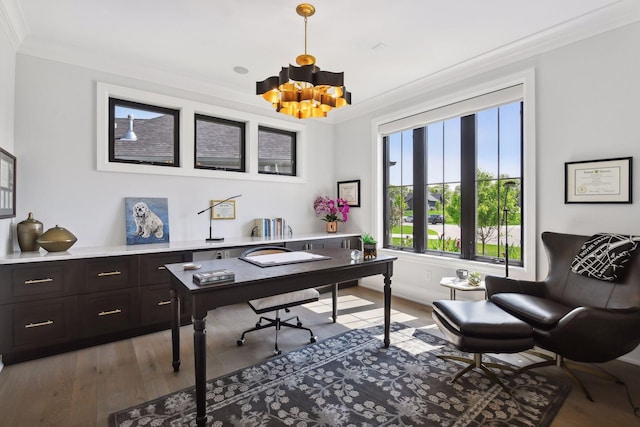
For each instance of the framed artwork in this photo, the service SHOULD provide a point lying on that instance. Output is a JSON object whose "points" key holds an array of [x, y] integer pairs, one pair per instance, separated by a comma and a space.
{"points": [[350, 191], [147, 220], [7, 185], [598, 181], [223, 209]]}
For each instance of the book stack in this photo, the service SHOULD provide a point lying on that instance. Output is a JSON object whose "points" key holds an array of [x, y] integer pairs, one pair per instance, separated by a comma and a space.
{"points": [[271, 227], [213, 277]]}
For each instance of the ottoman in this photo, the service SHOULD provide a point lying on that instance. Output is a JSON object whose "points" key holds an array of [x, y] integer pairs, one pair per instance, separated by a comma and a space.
{"points": [[481, 327]]}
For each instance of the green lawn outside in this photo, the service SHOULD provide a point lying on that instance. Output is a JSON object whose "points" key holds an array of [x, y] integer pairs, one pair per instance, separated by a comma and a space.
{"points": [[491, 250]]}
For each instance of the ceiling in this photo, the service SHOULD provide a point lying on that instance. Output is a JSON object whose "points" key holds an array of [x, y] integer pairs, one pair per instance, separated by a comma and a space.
{"points": [[381, 45]]}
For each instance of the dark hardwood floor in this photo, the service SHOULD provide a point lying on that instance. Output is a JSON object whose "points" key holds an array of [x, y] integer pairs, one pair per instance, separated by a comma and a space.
{"points": [[82, 388]]}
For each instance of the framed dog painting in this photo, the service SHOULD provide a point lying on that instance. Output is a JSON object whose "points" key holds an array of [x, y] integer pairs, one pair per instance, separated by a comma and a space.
{"points": [[147, 220]]}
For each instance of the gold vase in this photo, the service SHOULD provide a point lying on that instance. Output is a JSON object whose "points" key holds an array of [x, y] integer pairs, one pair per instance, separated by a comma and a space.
{"points": [[28, 231], [332, 226], [57, 239]]}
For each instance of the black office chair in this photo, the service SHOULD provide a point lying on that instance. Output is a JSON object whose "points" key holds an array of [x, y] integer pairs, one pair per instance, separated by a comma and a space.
{"points": [[278, 302]]}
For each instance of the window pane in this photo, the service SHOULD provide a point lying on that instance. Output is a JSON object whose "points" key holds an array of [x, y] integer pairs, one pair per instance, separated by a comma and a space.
{"points": [[452, 150], [141, 133], [443, 176], [219, 144], [276, 151], [487, 141], [435, 153], [400, 217], [487, 218], [510, 140]]}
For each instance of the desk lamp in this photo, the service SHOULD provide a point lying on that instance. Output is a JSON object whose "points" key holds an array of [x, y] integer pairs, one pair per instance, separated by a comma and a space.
{"points": [[210, 238]]}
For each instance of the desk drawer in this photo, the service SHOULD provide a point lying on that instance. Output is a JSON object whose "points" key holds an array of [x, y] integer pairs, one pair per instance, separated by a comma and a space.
{"points": [[156, 305], [107, 312], [105, 274], [36, 324], [31, 282], [152, 270]]}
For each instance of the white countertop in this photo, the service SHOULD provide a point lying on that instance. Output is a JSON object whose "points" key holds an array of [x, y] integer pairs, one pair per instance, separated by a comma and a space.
{"points": [[192, 245]]}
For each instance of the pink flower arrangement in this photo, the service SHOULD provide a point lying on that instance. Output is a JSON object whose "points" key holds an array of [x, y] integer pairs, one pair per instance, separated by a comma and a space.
{"points": [[329, 209]]}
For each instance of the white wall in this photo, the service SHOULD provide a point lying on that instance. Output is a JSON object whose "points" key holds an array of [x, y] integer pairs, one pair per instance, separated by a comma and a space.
{"points": [[586, 108], [59, 183], [7, 84]]}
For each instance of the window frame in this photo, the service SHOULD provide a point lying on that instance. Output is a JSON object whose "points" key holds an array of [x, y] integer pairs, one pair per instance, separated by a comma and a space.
{"points": [[294, 145], [115, 102], [473, 87], [468, 125], [188, 108], [218, 120]]}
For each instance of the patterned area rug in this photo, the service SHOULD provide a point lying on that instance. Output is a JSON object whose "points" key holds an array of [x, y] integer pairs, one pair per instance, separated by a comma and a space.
{"points": [[352, 380]]}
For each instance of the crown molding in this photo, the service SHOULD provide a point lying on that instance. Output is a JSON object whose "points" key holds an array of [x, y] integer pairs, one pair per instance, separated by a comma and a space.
{"points": [[616, 15], [608, 18], [13, 22]]}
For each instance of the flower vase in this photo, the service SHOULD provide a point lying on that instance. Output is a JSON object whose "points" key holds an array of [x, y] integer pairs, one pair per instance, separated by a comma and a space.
{"points": [[332, 226]]}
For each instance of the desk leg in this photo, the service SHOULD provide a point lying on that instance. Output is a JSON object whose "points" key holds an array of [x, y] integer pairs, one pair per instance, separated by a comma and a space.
{"points": [[334, 297], [387, 309], [200, 363], [175, 329]]}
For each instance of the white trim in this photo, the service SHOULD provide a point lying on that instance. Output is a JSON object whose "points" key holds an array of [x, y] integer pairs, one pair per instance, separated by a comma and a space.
{"points": [[13, 23], [458, 108], [526, 78], [187, 110]]}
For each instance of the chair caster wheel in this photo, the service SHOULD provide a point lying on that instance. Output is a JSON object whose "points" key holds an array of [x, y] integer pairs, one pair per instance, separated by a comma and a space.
{"points": [[313, 339], [240, 342], [299, 324]]}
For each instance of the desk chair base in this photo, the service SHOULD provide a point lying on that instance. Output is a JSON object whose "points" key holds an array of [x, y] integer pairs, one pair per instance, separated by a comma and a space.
{"points": [[277, 323], [477, 362]]}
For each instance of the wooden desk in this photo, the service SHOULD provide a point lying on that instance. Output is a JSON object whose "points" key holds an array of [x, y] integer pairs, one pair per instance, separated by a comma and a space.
{"points": [[252, 281]]}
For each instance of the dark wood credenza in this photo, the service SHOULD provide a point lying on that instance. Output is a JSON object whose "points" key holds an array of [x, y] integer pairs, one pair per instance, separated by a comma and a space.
{"points": [[56, 302]]}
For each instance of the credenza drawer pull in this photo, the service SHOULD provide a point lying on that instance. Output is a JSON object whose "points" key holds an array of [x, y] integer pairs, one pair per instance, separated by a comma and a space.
{"points": [[36, 281], [164, 302], [109, 273], [109, 313], [37, 325], [162, 267]]}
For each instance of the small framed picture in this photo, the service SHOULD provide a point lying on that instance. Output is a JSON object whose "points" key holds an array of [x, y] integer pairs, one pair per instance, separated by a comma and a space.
{"points": [[350, 191], [223, 209], [598, 181], [7, 185]]}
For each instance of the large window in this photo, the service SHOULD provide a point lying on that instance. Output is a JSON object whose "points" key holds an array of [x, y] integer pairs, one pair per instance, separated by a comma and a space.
{"points": [[143, 133], [453, 185], [220, 144], [276, 151]]}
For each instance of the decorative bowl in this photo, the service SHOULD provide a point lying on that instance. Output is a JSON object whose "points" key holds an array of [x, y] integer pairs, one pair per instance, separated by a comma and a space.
{"points": [[56, 239]]}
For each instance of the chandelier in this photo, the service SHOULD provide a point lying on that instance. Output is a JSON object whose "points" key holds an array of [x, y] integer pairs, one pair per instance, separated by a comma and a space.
{"points": [[305, 91]]}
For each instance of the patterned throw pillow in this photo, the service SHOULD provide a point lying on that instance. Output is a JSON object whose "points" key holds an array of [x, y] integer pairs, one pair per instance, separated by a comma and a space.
{"points": [[603, 256]]}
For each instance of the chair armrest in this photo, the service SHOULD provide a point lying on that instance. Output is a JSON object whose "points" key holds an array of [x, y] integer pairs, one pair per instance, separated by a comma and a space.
{"points": [[496, 285]]}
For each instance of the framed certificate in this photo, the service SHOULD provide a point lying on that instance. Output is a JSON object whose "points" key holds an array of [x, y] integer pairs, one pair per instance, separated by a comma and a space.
{"points": [[598, 181], [350, 191], [224, 210], [7, 185]]}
